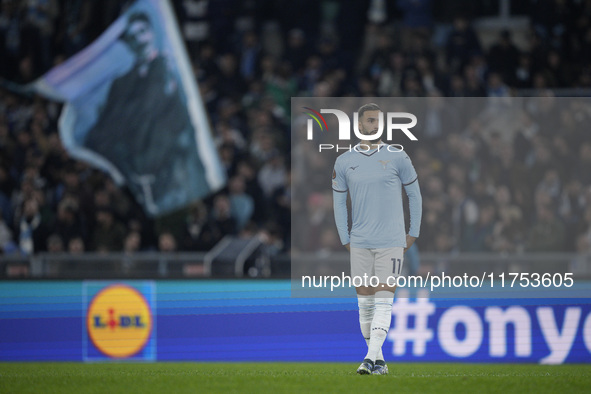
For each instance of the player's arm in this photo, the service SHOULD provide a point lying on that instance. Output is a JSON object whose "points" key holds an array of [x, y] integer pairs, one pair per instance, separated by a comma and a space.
{"points": [[341, 216], [410, 181], [339, 197], [415, 205]]}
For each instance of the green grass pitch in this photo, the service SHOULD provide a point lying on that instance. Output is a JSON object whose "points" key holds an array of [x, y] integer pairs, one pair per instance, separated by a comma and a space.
{"points": [[171, 378]]}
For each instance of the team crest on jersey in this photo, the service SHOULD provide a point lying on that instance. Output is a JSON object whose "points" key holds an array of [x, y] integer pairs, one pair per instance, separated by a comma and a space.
{"points": [[384, 163]]}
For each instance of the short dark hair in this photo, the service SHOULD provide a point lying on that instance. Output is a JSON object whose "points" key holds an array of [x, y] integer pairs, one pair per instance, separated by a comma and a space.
{"points": [[139, 16], [367, 107], [135, 17]]}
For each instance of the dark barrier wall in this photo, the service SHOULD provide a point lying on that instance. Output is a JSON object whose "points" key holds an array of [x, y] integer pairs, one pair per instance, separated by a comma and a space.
{"points": [[257, 320]]}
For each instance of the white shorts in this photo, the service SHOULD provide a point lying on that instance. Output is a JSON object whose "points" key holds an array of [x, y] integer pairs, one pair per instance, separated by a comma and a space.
{"points": [[382, 263]]}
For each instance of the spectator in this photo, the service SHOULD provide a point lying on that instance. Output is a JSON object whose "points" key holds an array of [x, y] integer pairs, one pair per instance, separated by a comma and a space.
{"points": [[272, 175], [221, 217], [548, 233], [249, 56], [478, 237], [12, 47], [390, 79], [76, 246], [228, 158], [201, 232], [522, 77], [55, 244], [464, 212], [474, 82], [462, 44], [229, 136], [108, 233], [281, 203], [37, 31], [230, 84], [32, 229], [132, 242], [241, 204], [68, 225], [195, 231], [7, 185], [167, 243], [7, 245], [496, 86], [503, 57], [508, 232], [76, 16], [296, 50]]}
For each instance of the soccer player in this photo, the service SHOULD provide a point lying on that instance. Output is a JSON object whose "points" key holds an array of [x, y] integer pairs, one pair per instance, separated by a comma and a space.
{"points": [[373, 173]]}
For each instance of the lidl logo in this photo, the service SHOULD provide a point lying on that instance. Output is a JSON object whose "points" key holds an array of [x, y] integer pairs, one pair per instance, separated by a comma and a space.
{"points": [[119, 321]]}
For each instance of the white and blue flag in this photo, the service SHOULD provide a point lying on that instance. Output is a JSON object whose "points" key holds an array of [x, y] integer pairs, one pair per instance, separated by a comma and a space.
{"points": [[132, 108]]}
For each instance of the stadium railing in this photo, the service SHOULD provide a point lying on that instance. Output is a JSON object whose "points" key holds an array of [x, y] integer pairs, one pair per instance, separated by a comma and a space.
{"points": [[195, 265]]}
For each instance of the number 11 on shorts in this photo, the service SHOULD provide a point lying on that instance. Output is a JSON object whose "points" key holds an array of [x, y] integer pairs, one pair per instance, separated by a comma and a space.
{"points": [[397, 266]]}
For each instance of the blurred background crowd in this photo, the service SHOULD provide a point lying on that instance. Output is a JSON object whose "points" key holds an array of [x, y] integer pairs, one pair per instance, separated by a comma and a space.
{"points": [[528, 189], [497, 174]]}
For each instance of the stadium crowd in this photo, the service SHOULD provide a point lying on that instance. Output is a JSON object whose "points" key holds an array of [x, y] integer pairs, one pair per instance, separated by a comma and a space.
{"points": [[530, 191]]}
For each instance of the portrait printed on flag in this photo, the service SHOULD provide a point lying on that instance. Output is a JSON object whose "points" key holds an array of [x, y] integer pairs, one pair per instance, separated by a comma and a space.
{"points": [[143, 127], [133, 110]]}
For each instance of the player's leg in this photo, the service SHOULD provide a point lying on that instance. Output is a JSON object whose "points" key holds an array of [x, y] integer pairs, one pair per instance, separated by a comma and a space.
{"points": [[388, 265], [366, 305], [366, 313], [362, 266]]}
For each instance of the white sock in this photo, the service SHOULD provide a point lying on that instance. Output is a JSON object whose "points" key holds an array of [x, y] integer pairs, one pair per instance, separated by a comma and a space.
{"points": [[366, 313], [380, 324]]}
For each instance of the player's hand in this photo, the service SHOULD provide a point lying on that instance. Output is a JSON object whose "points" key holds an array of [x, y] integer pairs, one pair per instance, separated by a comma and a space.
{"points": [[409, 241], [348, 246]]}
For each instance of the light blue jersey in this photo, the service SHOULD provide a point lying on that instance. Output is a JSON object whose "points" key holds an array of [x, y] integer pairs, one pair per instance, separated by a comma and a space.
{"points": [[374, 179]]}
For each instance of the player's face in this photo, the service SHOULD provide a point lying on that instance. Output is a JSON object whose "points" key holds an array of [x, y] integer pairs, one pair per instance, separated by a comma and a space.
{"points": [[369, 122], [142, 36]]}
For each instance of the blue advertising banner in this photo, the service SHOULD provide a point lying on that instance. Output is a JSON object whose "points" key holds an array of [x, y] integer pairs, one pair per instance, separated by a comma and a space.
{"points": [[133, 110], [259, 321]]}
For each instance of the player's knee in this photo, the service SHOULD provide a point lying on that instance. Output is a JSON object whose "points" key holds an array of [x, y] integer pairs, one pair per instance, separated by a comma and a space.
{"points": [[365, 290], [386, 287]]}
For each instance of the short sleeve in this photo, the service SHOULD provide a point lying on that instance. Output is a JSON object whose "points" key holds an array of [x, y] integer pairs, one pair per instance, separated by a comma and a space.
{"points": [[406, 171], [339, 181]]}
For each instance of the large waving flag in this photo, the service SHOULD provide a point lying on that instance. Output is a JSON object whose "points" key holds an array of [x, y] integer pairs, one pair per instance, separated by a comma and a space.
{"points": [[133, 110]]}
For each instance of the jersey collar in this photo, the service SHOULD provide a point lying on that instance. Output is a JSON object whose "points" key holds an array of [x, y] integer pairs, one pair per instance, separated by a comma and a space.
{"points": [[367, 152]]}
